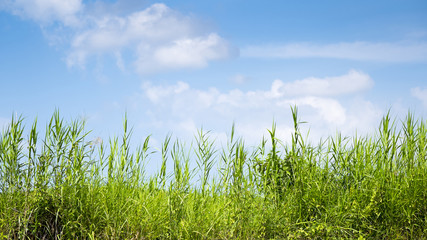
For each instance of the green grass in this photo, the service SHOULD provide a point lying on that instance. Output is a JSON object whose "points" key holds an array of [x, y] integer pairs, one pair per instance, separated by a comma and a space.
{"points": [[63, 187]]}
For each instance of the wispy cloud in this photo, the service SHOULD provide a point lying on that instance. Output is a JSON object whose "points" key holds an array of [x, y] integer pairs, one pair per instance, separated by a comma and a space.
{"points": [[153, 39], [353, 81], [45, 11], [360, 51], [239, 78], [182, 53], [420, 94]]}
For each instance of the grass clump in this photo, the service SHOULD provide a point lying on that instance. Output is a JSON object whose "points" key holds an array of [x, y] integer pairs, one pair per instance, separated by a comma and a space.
{"points": [[63, 187]]}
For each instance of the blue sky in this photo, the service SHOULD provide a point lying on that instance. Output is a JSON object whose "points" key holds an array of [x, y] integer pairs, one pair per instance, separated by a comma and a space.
{"points": [[175, 66]]}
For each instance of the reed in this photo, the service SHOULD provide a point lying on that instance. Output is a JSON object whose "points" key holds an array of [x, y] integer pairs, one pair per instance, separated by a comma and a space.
{"points": [[61, 186]]}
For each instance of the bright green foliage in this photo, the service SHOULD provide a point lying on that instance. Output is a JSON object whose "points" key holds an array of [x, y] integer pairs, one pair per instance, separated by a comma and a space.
{"points": [[62, 186]]}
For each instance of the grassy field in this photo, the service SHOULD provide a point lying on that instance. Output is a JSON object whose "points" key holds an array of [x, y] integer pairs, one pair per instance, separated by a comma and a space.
{"points": [[60, 186]]}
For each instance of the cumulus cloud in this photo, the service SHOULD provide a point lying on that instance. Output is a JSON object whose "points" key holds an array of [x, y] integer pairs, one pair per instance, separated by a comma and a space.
{"points": [[420, 94], [153, 39], [180, 108], [361, 51], [159, 37], [330, 110]]}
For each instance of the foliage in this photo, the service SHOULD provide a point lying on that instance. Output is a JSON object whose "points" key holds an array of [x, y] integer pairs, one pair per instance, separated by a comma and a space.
{"points": [[62, 186]]}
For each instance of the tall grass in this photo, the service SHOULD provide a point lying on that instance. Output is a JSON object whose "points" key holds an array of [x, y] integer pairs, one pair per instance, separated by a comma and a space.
{"points": [[62, 186]]}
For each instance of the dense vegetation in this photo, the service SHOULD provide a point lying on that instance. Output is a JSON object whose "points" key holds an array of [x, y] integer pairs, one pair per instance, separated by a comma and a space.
{"points": [[61, 186]]}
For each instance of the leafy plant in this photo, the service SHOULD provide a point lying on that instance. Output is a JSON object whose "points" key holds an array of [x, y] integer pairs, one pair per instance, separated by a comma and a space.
{"points": [[62, 186]]}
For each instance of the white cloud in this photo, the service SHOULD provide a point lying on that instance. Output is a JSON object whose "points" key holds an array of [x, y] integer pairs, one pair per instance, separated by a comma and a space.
{"points": [[420, 94], [182, 53], [158, 93], [180, 108], [158, 37], [361, 51], [330, 110], [353, 81], [154, 39], [46, 11], [363, 116], [239, 79]]}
